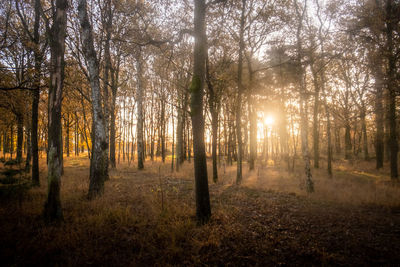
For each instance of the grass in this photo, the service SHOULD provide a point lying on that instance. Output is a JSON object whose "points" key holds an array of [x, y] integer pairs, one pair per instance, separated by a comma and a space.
{"points": [[146, 218]]}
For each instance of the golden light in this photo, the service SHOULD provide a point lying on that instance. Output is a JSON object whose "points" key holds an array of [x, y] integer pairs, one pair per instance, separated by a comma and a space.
{"points": [[269, 121]]}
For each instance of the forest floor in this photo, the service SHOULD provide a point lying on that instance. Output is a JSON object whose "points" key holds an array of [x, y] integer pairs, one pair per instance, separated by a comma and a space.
{"points": [[146, 218]]}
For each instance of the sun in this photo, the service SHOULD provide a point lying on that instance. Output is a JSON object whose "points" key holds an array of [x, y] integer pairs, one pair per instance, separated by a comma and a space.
{"points": [[269, 120]]}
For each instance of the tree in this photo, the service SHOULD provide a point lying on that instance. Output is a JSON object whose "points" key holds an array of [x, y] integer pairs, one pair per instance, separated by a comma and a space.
{"points": [[56, 35], [239, 94], [300, 15], [203, 208], [99, 159], [139, 99]]}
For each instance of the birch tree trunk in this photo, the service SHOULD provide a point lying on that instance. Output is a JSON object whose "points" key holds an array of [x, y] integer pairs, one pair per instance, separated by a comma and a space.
{"points": [[303, 100], [98, 162], [57, 33]]}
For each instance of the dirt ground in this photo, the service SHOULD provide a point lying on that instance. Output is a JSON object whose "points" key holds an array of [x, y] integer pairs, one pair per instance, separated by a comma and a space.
{"points": [[146, 218]]}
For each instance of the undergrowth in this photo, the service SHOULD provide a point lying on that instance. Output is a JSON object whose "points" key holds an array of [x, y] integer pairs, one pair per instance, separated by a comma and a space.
{"points": [[147, 218]]}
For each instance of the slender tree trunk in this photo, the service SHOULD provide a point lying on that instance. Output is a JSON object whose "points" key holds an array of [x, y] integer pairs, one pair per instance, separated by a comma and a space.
{"points": [[99, 160], [36, 97], [189, 142], [364, 134], [139, 96], [52, 208], [114, 88], [163, 154], [5, 144], [76, 135], [112, 135], [29, 151], [11, 150], [316, 127], [391, 86], [124, 130], [203, 208], [20, 136], [252, 117], [347, 138], [338, 147], [214, 121], [173, 140], [303, 104], [387, 126], [379, 113], [329, 137], [67, 124], [239, 96], [107, 70], [179, 139]]}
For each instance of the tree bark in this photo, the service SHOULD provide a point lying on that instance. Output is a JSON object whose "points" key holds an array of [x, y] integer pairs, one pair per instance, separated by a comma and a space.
{"points": [[20, 136], [316, 122], [179, 139], [98, 162], [29, 151], [139, 97], [214, 120], [379, 113], [203, 208], [391, 86], [67, 125], [57, 34], [107, 70], [364, 133], [239, 96], [303, 103], [347, 139], [252, 117]]}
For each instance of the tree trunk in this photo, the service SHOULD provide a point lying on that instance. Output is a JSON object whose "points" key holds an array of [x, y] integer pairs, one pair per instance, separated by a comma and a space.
{"points": [[203, 208], [52, 208], [11, 150], [20, 136], [114, 88], [347, 138], [239, 96], [214, 121], [139, 97], [316, 126], [179, 139], [29, 151], [364, 134], [112, 134], [391, 86], [76, 135], [67, 124], [173, 140], [252, 117], [379, 113], [98, 162], [36, 97], [303, 104], [328, 133], [163, 154], [106, 80]]}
